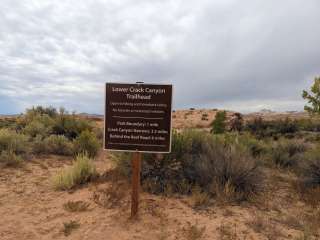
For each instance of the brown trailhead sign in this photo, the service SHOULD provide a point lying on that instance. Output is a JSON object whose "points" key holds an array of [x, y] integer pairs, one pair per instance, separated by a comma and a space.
{"points": [[138, 117]]}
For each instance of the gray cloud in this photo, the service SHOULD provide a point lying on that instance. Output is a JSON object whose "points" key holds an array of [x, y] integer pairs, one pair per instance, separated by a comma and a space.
{"points": [[242, 55]]}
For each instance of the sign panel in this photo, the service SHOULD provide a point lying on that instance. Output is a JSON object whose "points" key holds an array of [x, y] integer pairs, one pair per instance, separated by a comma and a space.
{"points": [[138, 117]]}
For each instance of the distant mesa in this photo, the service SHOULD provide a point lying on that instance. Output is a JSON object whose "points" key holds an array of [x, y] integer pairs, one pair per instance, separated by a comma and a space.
{"points": [[88, 115], [265, 110]]}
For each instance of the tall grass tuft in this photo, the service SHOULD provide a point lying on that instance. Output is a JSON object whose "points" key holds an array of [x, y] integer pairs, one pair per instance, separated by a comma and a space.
{"points": [[81, 172], [10, 159], [13, 142], [87, 143], [13, 147]]}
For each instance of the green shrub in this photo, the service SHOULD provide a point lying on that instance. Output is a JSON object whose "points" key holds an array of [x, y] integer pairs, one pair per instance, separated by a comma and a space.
{"points": [[13, 142], [236, 175], [168, 171], [312, 170], [58, 144], [313, 173], [81, 172], [38, 145], [256, 126], [35, 128], [309, 124], [7, 123], [200, 159], [39, 110], [98, 132], [87, 142], [236, 123], [122, 162], [246, 141], [70, 125], [276, 128], [256, 147], [286, 126], [38, 115], [54, 144], [286, 153], [219, 123], [44, 121], [10, 159]]}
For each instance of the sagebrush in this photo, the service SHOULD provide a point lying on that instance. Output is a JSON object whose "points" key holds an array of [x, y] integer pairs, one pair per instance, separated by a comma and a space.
{"points": [[200, 159]]}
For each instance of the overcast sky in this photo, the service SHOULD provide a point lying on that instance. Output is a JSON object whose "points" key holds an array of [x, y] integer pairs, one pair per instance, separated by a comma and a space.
{"points": [[240, 55]]}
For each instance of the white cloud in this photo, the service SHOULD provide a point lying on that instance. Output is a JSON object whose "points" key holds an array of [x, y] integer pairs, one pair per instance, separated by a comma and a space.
{"points": [[231, 53]]}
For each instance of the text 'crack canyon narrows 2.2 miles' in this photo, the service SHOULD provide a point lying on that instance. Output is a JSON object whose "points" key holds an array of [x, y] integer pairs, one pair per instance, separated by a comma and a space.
{"points": [[138, 117]]}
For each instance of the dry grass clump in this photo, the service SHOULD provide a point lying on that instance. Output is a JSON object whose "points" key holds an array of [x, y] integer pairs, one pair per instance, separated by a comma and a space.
{"points": [[81, 172], [194, 232], [312, 223], [110, 196], [10, 159], [228, 232], [309, 225], [265, 226], [68, 227], [258, 224], [293, 222], [76, 206], [199, 198], [311, 196]]}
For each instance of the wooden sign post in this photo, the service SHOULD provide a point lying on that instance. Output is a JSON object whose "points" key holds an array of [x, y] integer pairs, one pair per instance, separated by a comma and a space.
{"points": [[137, 119], [136, 169]]}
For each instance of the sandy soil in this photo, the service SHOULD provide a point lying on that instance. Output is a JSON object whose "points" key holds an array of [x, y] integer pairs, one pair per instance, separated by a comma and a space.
{"points": [[202, 118], [31, 209], [197, 118]]}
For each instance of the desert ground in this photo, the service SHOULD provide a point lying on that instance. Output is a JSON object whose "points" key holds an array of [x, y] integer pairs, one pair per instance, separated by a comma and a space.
{"points": [[30, 208]]}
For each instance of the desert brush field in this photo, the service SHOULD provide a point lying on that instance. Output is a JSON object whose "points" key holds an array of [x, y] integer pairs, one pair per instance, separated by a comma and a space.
{"points": [[229, 176]]}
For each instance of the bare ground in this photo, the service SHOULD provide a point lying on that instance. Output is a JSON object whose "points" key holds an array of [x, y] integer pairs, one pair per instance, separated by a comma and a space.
{"points": [[31, 209]]}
